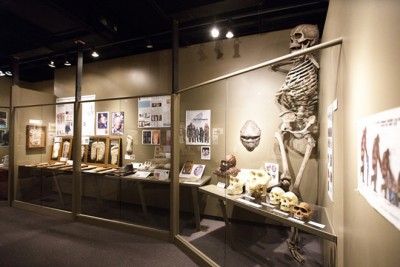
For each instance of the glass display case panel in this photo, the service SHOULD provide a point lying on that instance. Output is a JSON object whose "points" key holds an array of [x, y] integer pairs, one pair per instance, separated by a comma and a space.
{"points": [[43, 175], [246, 163], [126, 177], [203, 124], [4, 151]]}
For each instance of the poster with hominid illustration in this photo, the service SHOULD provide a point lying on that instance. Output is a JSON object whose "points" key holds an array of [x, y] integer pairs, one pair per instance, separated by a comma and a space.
{"points": [[198, 123]]}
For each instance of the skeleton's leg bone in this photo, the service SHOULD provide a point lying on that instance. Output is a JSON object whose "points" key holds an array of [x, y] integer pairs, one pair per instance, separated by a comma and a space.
{"points": [[285, 167], [309, 147], [294, 246]]}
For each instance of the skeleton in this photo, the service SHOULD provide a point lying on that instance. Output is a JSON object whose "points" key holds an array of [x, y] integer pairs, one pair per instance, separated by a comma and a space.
{"points": [[299, 96]]}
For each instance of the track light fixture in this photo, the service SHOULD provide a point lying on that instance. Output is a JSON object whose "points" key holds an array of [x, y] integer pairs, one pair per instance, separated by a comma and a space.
{"points": [[66, 61], [2, 73], [51, 64], [8, 73], [214, 32], [94, 53], [229, 34], [149, 44]]}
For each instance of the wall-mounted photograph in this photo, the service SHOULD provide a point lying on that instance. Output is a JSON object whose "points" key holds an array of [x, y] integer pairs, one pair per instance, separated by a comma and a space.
{"points": [[3, 119], [102, 123], [35, 136]]}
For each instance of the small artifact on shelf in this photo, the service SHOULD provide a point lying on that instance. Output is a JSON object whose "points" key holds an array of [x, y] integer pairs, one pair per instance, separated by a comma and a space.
{"points": [[236, 185], [257, 182], [228, 166], [126, 170], [302, 211], [275, 195], [288, 201]]}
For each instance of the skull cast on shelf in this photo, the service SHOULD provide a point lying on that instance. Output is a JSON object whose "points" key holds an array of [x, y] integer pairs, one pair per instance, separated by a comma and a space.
{"points": [[235, 185], [303, 36], [302, 211], [275, 195], [228, 166], [288, 201], [257, 183], [250, 135]]}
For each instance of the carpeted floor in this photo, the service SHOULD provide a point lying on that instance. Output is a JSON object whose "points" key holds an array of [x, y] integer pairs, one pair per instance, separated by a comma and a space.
{"points": [[31, 239]]}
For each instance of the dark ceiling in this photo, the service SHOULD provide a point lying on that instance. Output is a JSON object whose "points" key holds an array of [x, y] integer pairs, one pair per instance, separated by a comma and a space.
{"points": [[32, 32]]}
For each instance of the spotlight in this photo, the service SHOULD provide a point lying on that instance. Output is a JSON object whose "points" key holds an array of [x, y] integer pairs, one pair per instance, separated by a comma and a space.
{"points": [[2, 73], [8, 73], [51, 64], [214, 32], [94, 53], [149, 44], [229, 34], [67, 63]]}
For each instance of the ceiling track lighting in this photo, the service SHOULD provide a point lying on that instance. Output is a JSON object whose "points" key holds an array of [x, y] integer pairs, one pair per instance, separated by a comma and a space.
{"points": [[149, 44], [66, 61], [51, 64], [94, 53], [214, 32], [8, 73], [229, 34], [2, 73]]}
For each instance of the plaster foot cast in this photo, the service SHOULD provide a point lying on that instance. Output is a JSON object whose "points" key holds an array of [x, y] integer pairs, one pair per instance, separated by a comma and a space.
{"points": [[101, 149], [129, 145], [114, 154], [93, 151], [65, 149], [56, 150]]}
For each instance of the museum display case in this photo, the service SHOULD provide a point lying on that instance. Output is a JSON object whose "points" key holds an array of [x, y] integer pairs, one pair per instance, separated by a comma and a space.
{"points": [[4, 151]]}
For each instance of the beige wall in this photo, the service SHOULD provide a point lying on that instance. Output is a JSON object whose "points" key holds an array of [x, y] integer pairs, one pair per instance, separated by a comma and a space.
{"points": [[367, 83], [138, 75]]}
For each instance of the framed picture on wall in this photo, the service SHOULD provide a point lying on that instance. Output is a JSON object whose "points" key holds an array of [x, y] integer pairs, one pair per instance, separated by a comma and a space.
{"points": [[66, 149], [114, 152], [117, 123], [198, 127], [35, 136], [102, 121], [56, 149], [3, 119], [4, 138]]}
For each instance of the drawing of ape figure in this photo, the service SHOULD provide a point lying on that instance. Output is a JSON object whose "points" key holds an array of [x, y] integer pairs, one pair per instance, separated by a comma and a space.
{"points": [[375, 160], [388, 185], [364, 155]]}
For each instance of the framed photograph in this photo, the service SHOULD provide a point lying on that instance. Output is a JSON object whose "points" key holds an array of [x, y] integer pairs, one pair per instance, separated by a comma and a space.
{"points": [[4, 138], [114, 152], [191, 170], [56, 149], [146, 137], [66, 149], [117, 123], [206, 153], [102, 121], [3, 120], [198, 127], [35, 136], [97, 150]]}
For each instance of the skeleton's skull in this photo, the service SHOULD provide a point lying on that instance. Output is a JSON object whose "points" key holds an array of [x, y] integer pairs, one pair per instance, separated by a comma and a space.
{"points": [[302, 211], [275, 195], [250, 135], [288, 201], [257, 183], [303, 36], [235, 186]]}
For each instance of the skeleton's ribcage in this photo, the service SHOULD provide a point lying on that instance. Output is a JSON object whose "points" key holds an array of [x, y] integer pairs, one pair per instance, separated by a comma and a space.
{"points": [[300, 88]]}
